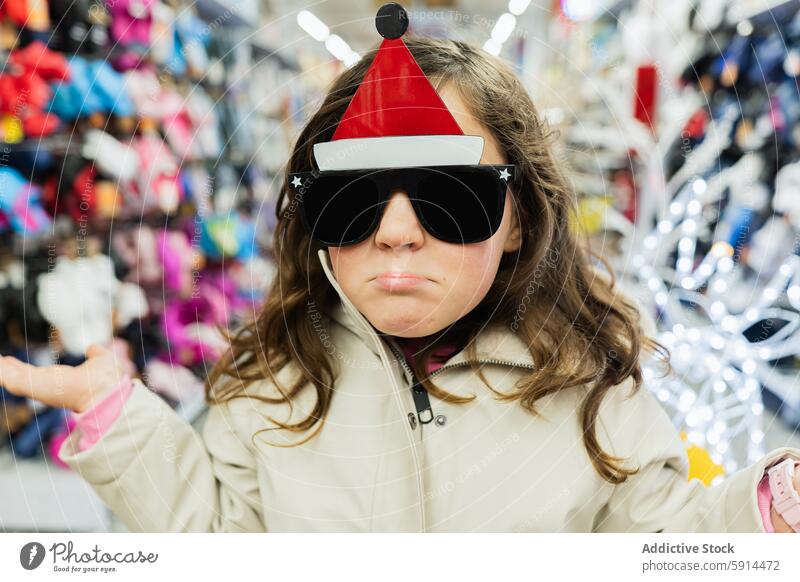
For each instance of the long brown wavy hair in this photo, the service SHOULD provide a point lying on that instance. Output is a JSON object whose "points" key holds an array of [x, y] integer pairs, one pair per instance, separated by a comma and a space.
{"points": [[581, 332]]}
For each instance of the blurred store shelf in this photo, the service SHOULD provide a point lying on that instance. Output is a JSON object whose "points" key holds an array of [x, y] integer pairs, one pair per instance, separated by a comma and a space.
{"points": [[38, 495]]}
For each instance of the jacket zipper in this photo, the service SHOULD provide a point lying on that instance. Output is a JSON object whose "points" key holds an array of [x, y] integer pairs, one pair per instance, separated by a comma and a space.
{"points": [[488, 361], [422, 401]]}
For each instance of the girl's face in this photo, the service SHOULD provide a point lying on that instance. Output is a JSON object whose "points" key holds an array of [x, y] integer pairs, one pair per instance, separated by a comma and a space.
{"points": [[410, 284]]}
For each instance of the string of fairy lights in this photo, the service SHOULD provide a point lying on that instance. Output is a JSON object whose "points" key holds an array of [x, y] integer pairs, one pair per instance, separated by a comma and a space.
{"points": [[721, 358]]}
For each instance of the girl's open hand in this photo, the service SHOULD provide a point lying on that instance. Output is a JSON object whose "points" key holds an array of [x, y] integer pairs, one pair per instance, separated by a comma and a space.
{"points": [[77, 388]]}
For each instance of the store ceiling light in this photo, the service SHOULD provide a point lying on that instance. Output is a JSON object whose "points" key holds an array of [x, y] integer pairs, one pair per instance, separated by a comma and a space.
{"points": [[335, 44], [581, 9], [341, 50], [517, 7], [504, 27], [313, 25], [492, 47]]}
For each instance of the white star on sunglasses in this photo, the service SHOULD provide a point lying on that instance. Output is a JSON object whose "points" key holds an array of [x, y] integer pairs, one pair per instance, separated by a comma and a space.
{"points": [[504, 175], [296, 181]]}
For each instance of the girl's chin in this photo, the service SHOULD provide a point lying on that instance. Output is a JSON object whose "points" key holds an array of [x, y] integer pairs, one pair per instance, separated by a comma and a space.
{"points": [[404, 326]]}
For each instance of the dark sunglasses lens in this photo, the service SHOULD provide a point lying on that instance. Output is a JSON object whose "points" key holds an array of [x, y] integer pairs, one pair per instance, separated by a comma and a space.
{"points": [[340, 210], [461, 206]]}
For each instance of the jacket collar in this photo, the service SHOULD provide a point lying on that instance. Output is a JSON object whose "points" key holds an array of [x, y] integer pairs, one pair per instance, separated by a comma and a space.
{"points": [[495, 344]]}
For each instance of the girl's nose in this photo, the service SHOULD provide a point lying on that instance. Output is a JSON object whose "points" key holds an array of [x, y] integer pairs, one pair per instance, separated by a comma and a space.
{"points": [[399, 225]]}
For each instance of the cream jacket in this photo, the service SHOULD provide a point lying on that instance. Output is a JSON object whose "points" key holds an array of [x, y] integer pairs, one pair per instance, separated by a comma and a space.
{"points": [[480, 466]]}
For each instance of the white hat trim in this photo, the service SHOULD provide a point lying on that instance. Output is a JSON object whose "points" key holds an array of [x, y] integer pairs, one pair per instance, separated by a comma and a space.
{"points": [[402, 151]]}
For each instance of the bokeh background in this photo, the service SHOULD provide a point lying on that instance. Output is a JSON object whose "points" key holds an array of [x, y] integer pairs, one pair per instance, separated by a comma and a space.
{"points": [[143, 145]]}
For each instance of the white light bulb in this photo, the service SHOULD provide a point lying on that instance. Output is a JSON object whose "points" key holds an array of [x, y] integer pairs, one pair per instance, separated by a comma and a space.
{"points": [[504, 27], [492, 47], [579, 9], [312, 25], [699, 186], [518, 6]]}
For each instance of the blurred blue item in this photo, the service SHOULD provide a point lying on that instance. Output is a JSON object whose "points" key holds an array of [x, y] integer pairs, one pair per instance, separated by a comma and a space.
{"points": [[66, 359], [228, 236], [6, 396], [767, 67], [110, 85], [737, 53], [29, 442], [741, 230], [35, 162], [194, 35], [789, 100], [19, 201], [176, 65], [789, 103], [94, 87], [74, 98], [186, 183]]}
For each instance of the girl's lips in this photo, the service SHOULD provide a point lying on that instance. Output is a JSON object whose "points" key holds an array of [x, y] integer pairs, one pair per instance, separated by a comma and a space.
{"points": [[397, 280]]}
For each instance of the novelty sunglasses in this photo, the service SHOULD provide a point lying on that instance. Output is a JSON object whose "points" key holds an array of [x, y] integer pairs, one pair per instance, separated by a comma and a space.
{"points": [[456, 204]]}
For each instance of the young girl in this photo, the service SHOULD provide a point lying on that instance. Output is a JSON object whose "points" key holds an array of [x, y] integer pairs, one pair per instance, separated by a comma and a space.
{"points": [[405, 382]]}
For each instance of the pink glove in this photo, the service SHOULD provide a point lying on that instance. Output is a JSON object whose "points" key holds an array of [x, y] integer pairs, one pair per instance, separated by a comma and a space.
{"points": [[765, 501]]}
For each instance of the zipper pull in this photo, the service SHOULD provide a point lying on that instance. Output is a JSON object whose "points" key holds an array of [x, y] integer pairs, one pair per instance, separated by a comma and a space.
{"points": [[422, 402]]}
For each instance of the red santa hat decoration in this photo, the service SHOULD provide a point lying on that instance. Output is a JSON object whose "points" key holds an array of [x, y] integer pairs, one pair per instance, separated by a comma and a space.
{"points": [[396, 118]]}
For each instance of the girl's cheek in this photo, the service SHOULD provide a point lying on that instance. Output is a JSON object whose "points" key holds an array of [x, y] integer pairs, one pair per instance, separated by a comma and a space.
{"points": [[341, 261], [473, 270]]}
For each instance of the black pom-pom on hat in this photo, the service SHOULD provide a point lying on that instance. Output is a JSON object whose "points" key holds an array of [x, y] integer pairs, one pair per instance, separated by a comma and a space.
{"points": [[391, 20]]}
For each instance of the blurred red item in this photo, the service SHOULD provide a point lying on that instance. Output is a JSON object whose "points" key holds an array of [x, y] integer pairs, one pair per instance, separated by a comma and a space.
{"points": [[626, 194], [21, 92], [696, 126], [644, 105], [38, 124], [78, 193], [23, 96], [37, 58], [32, 14], [81, 201]]}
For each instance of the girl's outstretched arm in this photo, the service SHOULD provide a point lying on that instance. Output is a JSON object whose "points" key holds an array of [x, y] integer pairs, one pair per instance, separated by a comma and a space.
{"points": [[158, 474], [660, 497], [151, 467]]}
